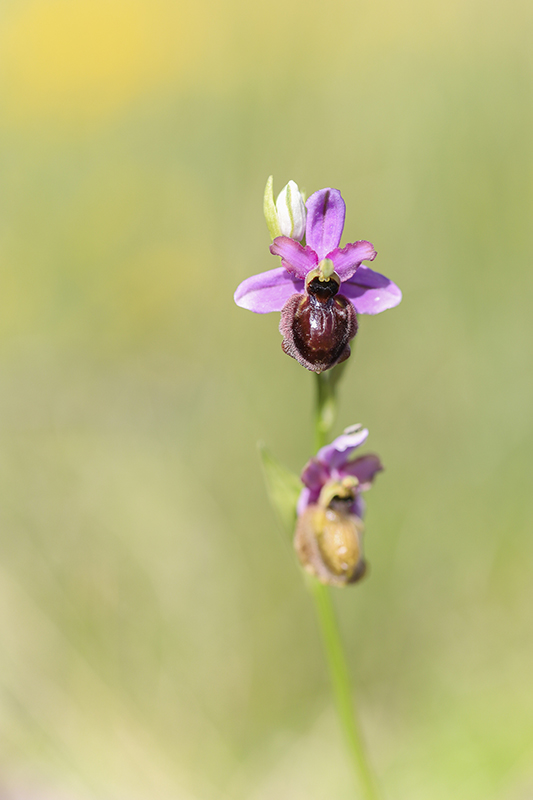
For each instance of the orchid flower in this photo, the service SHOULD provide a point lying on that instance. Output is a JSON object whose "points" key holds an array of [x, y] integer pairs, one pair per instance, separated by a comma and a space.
{"points": [[320, 287], [334, 463], [329, 529]]}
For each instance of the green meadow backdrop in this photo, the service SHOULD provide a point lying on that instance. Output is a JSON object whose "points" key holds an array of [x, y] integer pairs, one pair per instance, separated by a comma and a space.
{"points": [[156, 638]]}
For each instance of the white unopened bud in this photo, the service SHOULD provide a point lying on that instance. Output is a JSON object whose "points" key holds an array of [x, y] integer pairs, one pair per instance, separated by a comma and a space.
{"points": [[291, 213]]}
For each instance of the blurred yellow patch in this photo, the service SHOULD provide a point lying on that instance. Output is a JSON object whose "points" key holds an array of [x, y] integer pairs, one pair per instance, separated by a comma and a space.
{"points": [[148, 295], [81, 59]]}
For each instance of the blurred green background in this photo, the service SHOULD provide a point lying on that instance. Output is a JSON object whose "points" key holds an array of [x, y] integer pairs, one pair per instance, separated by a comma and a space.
{"points": [[156, 638]]}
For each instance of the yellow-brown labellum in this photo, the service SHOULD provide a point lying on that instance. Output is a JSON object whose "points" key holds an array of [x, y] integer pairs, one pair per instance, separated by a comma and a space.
{"points": [[329, 539]]}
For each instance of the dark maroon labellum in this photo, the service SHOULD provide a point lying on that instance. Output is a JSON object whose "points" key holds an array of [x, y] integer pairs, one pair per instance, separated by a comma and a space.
{"points": [[318, 326]]}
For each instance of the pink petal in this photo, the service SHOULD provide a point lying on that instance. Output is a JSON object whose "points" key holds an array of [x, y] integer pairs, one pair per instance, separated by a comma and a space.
{"points": [[314, 474], [295, 258], [364, 469], [336, 454], [358, 507], [370, 292], [349, 258], [268, 291], [325, 221], [307, 497]]}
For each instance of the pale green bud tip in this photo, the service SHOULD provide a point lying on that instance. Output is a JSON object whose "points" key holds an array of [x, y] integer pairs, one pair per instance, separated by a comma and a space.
{"points": [[326, 268], [269, 209], [291, 212]]}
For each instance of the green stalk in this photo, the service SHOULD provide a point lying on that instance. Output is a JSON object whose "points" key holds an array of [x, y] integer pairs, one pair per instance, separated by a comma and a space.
{"points": [[329, 628], [325, 408]]}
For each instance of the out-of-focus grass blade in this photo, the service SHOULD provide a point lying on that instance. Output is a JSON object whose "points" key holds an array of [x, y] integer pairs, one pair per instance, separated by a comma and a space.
{"points": [[283, 488]]}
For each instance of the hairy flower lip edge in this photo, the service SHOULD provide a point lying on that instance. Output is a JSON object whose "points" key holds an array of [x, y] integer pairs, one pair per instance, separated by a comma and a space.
{"points": [[335, 346]]}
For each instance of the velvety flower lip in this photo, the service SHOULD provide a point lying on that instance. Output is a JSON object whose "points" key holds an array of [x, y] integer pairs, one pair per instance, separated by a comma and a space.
{"points": [[333, 463], [369, 292]]}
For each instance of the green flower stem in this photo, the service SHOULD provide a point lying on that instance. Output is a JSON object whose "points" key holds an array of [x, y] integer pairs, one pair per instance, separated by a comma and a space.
{"points": [[340, 678], [325, 408]]}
